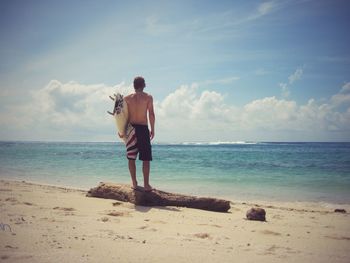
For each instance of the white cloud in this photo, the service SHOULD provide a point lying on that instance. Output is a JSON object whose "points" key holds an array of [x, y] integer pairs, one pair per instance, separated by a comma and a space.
{"points": [[263, 9], [296, 75], [342, 97], [63, 110], [285, 90], [261, 72], [179, 103], [156, 27], [266, 7], [335, 59], [229, 19], [74, 111], [270, 113], [291, 79], [346, 88], [222, 81], [73, 103], [191, 114]]}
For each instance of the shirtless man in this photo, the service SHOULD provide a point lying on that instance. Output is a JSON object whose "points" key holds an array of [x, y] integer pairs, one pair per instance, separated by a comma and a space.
{"points": [[139, 105]]}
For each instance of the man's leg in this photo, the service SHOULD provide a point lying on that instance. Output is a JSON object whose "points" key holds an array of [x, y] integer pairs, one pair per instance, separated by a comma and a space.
{"points": [[132, 169], [145, 170]]}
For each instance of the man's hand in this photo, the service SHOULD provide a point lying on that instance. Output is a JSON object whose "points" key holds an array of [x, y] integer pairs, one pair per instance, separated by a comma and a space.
{"points": [[120, 136], [151, 135]]}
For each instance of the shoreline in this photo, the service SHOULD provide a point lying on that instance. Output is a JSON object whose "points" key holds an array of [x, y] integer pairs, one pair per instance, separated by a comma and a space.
{"points": [[266, 201], [293, 205], [50, 222]]}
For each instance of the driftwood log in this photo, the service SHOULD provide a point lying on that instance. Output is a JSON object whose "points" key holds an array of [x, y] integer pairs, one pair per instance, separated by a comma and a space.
{"points": [[125, 193], [258, 214]]}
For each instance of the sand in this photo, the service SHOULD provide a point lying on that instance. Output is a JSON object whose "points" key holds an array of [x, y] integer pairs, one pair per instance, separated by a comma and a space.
{"points": [[42, 223]]}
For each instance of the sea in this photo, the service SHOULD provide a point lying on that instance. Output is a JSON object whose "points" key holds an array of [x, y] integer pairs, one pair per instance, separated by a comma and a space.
{"points": [[244, 171]]}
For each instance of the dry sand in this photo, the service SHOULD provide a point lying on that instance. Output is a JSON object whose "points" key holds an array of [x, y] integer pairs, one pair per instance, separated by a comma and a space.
{"points": [[56, 224]]}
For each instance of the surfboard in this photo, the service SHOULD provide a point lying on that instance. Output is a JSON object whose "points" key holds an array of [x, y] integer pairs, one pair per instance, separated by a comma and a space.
{"points": [[121, 115]]}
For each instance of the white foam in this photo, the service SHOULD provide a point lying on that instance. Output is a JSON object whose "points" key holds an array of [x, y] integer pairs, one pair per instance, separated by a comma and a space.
{"points": [[219, 143]]}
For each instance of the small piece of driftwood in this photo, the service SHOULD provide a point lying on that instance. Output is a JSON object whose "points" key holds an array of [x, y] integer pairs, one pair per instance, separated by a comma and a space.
{"points": [[125, 193], [258, 214]]}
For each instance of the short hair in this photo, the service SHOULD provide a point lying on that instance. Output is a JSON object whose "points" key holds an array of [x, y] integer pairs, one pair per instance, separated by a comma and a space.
{"points": [[139, 82]]}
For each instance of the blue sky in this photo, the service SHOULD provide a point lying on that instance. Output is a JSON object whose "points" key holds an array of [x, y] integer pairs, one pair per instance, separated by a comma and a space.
{"points": [[238, 52]]}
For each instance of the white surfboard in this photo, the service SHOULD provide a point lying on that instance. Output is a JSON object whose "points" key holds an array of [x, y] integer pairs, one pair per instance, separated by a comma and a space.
{"points": [[121, 115]]}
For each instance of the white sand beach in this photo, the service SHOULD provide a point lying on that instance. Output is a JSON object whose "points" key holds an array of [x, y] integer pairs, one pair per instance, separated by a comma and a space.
{"points": [[42, 223]]}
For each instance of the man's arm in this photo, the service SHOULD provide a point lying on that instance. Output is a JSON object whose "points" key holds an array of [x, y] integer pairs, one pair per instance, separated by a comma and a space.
{"points": [[151, 115]]}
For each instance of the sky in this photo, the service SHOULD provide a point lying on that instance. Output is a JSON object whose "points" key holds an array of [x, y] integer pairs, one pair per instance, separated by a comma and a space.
{"points": [[218, 71]]}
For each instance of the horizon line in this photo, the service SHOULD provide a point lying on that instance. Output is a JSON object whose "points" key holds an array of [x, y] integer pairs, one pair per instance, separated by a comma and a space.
{"points": [[174, 142]]}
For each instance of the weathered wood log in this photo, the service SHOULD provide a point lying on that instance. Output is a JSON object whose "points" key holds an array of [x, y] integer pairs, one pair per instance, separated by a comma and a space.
{"points": [[125, 193]]}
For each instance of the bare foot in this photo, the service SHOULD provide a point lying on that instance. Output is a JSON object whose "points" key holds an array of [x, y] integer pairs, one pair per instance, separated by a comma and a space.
{"points": [[148, 188], [134, 186]]}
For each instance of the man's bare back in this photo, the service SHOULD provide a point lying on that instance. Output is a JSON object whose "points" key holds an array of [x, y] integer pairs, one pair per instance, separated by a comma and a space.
{"points": [[139, 104], [137, 107]]}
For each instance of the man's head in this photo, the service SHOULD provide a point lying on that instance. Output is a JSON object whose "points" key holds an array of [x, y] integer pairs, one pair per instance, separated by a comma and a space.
{"points": [[139, 83]]}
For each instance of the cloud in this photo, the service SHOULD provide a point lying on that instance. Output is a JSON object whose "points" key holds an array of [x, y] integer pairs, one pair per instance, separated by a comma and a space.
{"points": [[295, 76], [285, 90], [221, 23], [156, 27], [193, 114], [262, 10], [63, 110], [270, 113], [346, 88], [265, 8], [342, 97], [75, 111], [222, 81], [291, 79], [261, 72], [335, 59], [73, 103]]}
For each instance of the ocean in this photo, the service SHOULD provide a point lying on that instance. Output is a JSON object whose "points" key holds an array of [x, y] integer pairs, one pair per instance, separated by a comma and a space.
{"points": [[244, 171]]}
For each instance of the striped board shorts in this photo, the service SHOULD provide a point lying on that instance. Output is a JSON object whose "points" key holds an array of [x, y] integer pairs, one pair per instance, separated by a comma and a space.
{"points": [[138, 142]]}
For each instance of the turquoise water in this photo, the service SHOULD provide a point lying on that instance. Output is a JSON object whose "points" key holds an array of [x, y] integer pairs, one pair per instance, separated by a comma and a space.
{"points": [[241, 171]]}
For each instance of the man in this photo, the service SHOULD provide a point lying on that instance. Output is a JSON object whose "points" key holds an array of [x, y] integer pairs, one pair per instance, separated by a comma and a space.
{"points": [[140, 104]]}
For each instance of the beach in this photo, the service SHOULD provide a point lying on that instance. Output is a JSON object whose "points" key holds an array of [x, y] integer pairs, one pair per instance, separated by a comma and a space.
{"points": [[45, 223]]}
